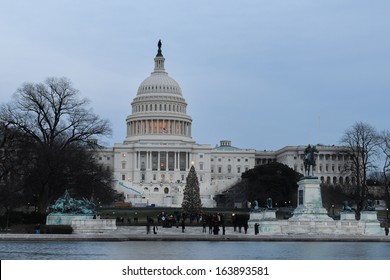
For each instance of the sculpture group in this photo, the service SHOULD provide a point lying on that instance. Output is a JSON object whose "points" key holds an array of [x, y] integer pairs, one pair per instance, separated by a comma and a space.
{"points": [[69, 205]]}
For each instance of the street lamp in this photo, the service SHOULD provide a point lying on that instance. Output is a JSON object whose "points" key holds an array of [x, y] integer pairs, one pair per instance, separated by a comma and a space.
{"points": [[387, 213], [332, 210]]}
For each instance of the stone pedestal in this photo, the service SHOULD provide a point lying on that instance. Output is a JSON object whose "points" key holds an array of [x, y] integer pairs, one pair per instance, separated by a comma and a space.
{"points": [[370, 222], [94, 225], [346, 215], [310, 202], [266, 219], [65, 219], [368, 216]]}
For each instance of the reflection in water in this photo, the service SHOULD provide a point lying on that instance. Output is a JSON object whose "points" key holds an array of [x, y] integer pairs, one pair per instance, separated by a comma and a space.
{"points": [[188, 250]]}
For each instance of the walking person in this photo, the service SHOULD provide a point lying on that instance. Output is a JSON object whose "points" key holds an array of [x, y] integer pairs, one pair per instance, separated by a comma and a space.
{"points": [[147, 225], [183, 226]]}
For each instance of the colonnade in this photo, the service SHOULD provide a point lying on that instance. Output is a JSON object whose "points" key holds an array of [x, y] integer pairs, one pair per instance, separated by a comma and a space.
{"points": [[159, 126], [162, 160]]}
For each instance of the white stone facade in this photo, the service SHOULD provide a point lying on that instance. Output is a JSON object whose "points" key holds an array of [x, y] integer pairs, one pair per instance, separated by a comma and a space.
{"points": [[151, 165]]}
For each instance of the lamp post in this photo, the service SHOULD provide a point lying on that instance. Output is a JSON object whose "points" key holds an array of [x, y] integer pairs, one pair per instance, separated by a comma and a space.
{"points": [[332, 209], [387, 213]]}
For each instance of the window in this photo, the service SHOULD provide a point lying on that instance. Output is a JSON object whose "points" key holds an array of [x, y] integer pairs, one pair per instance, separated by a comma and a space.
{"points": [[123, 177], [201, 166], [238, 169], [154, 160], [163, 156], [124, 165], [219, 169]]}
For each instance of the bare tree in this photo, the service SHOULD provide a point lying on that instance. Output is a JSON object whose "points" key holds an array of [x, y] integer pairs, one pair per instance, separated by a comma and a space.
{"points": [[14, 164], [56, 121], [52, 114], [385, 149], [361, 142]]}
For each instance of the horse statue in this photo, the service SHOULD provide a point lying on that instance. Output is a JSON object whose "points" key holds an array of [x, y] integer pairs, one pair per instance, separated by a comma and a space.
{"points": [[309, 159]]}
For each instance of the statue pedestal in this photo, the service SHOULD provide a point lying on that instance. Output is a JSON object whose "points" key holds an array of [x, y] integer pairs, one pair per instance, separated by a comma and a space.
{"points": [[94, 225], [257, 216], [310, 202], [368, 216], [346, 215], [266, 221], [65, 219], [369, 221]]}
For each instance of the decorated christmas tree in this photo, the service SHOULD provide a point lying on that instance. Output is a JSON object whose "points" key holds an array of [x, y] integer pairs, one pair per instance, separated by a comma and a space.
{"points": [[191, 201]]}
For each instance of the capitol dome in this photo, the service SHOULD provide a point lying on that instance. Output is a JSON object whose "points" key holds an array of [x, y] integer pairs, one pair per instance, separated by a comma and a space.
{"points": [[159, 82], [159, 109]]}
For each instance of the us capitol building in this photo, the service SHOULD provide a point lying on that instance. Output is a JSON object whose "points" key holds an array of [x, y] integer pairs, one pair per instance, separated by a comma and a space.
{"points": [[151, 165]]}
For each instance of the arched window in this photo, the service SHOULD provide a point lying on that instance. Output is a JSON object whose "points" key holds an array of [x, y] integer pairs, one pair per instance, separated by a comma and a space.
{"points": [[166, 190], [155, 189]]}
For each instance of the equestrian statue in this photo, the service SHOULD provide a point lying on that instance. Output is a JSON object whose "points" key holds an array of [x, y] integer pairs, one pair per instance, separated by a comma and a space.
{"points": [[309, 159]]}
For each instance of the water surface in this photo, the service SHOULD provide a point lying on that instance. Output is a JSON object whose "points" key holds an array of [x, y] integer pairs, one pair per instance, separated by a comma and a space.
{"points": [[189, 250]]}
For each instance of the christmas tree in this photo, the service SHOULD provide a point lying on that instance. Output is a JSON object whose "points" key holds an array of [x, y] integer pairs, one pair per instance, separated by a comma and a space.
{"points": [[191, 201]]}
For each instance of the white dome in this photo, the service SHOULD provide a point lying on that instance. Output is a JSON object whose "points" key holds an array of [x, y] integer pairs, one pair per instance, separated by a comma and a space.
{"points": [[159, 82]]}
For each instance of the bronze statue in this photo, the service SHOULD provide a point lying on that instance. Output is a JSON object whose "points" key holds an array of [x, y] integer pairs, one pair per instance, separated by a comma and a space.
{"points": [[269, 203], [369, 205], [159, 53], [255, 206], [346, 207], [309, 159], [69, 205]]}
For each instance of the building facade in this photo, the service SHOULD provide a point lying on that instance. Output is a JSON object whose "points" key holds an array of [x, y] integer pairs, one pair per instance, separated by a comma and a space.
{"points": [[151, 165]]}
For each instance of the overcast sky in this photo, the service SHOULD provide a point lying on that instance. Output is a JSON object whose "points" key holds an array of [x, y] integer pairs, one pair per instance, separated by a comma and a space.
{"points": [[263, 74]]}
